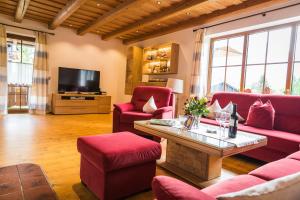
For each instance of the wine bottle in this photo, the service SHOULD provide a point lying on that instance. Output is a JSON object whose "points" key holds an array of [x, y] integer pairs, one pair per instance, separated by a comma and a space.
{"points": [[233, 122]]}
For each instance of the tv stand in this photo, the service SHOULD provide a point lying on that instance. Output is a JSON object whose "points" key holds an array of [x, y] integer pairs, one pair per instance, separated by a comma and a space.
{"points": [[80, 103]]}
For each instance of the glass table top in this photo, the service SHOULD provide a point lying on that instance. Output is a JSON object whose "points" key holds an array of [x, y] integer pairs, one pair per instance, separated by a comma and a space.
{"points": [[206, 134]]}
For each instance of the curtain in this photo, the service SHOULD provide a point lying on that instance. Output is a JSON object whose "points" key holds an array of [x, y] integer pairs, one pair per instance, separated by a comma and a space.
{"points": [[196, 89], [38, 100], [3, 70], [19, 73]]}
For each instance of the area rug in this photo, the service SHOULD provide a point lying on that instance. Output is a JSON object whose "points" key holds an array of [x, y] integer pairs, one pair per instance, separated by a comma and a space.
{"points": [[25, 182]]}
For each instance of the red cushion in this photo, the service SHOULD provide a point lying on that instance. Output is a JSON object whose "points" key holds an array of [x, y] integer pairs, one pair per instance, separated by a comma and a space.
{"points": [[295, 156], [130, 117], [243, 101], [232, 185], [261, 115], [277, 140], [277, 169], [287, 115], [167, 188], [162, 96], [116, 151]]}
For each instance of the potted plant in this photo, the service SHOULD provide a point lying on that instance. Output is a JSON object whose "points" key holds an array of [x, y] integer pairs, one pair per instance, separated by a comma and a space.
{"points": [[195, 108]]}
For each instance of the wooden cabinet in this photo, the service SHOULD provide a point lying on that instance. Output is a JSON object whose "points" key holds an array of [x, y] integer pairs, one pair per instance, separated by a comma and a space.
{"points": [[80, 104], [161, 59], [151, 61], [133, 68]]}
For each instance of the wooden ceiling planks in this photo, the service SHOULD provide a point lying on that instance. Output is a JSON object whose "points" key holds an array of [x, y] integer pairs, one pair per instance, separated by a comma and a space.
{"points": [[129, 20], [107, 16], [164, 14], [233, 10]]}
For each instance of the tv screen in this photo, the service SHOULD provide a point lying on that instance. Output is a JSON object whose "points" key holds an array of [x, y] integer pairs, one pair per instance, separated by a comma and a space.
{"points": [[78, 80]]}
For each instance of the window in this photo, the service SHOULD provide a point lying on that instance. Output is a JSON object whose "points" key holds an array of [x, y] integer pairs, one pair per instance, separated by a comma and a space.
{"points": [[227, 64], [19, 72], [258, 61], [20, 62]]}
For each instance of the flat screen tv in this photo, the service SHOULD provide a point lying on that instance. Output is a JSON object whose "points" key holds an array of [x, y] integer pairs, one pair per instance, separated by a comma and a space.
{"points": [[78, 80]]}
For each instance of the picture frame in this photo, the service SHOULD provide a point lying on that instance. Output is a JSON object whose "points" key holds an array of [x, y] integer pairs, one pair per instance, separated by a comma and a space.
{"points": [[188, 124]]}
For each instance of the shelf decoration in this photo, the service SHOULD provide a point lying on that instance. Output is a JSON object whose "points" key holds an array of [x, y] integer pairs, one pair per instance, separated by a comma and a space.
{"points": [[161, 59]]}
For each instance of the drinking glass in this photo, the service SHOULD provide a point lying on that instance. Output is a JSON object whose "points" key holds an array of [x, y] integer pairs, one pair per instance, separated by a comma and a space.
{"points": [[219, 120], [182, 119], [225, 122]]}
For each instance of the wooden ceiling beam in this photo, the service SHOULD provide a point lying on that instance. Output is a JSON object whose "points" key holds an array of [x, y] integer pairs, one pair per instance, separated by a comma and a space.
{"points": [[71, 7], [21, 10], [219, 15], [165, 14], [107, 16]]}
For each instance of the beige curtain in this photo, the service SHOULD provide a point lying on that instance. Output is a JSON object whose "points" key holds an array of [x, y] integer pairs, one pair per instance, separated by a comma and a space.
{"points": [[3, 70], [38, 100], [195, 88]]}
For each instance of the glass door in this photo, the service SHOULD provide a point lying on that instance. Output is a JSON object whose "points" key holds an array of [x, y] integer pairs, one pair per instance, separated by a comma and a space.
{"points": [[17, 99], [19, 73]]}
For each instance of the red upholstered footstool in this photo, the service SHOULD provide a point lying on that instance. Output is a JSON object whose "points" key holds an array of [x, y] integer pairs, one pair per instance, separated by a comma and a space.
{"points": [[117, 165]]}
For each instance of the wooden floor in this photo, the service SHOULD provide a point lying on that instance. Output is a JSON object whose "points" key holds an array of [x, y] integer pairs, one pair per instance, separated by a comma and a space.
{"points": [[50, 141]]}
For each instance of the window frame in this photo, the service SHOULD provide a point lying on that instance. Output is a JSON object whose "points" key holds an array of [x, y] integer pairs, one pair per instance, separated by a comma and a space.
{"points": [[246, 34], [22, 43]]}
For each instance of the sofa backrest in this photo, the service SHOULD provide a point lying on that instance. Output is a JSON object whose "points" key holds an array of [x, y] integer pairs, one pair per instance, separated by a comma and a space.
{"points": [[287, 108], [287, 112], [243, 101], [141, 94]]}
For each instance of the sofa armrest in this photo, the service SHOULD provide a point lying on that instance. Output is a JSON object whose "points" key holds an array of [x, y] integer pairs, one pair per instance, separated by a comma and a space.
{"points": [[167, 188], [163, 110], [124, 107]]}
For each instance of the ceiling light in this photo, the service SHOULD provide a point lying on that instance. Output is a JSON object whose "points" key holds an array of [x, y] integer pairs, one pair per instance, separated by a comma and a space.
{"points": [[188, 13], [98, 4], [70, 25], [158, 2]]}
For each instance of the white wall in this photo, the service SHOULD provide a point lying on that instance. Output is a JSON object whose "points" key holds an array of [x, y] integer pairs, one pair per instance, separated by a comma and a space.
{"points": [[66, 49]]}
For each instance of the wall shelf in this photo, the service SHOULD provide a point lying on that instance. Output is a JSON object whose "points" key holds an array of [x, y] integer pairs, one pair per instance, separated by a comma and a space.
{"points": [[160, 59]]}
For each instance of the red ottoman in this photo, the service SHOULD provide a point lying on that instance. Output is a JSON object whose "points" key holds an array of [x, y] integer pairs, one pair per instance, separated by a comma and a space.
{"points": [[117, 165]]}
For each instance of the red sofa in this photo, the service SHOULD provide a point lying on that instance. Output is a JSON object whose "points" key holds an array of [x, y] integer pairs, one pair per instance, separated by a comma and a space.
{"points": [[284, 139], [167, 188], [125, 114]]}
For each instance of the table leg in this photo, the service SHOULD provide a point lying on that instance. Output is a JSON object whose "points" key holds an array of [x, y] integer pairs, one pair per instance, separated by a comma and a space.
{"points": [[191, 164]]}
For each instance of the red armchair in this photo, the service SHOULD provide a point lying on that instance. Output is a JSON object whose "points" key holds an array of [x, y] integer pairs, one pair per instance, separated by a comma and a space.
{"points": [[125, 114]]}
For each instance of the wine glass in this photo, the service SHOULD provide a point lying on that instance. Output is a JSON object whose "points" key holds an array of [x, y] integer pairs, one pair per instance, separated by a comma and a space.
{"points": [[219, 120], [225, 122]]}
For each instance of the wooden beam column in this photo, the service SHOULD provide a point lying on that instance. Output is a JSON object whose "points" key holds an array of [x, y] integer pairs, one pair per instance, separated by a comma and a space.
{"points": [[21, 10], [71, 7]]}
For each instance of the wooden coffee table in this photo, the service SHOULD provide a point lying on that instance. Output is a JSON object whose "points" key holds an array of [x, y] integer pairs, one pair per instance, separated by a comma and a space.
{"points": [[197, 156], [24, 182]]}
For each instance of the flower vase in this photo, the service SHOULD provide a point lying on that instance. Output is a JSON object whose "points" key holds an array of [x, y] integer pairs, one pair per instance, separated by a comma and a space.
{"points": [[196, 123]]}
